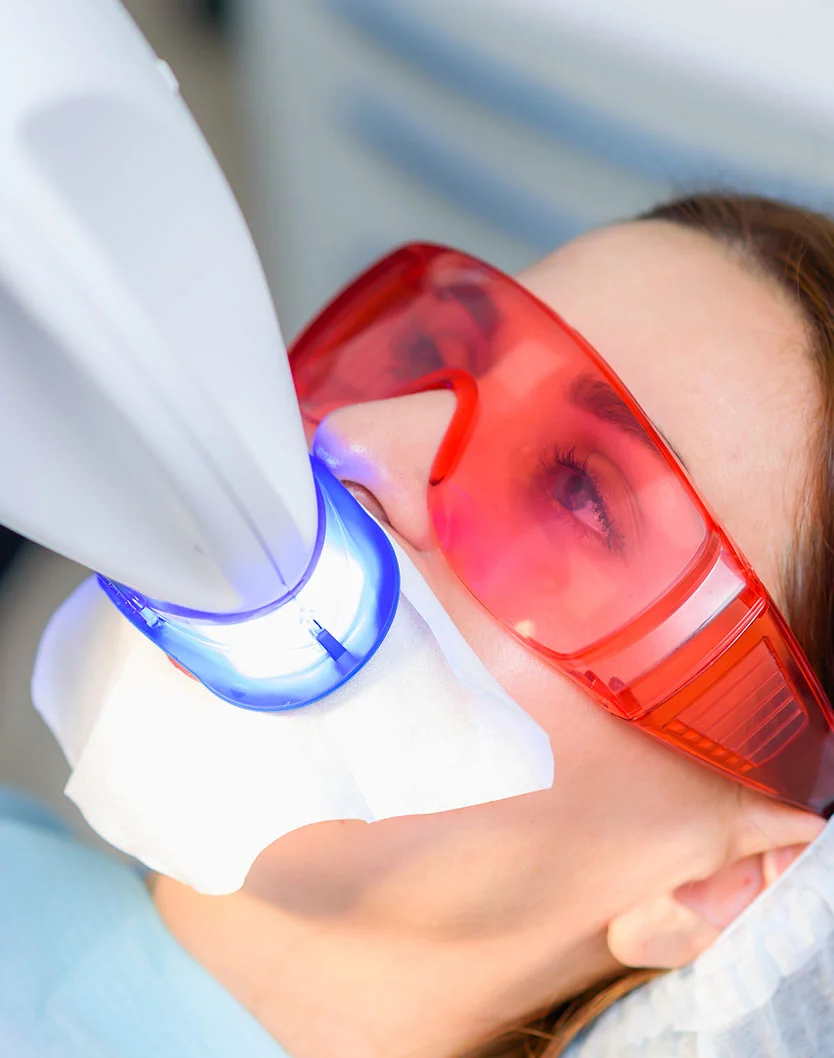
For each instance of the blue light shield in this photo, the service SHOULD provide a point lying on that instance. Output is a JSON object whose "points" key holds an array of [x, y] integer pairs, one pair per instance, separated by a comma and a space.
{"points": [[304, 645]]}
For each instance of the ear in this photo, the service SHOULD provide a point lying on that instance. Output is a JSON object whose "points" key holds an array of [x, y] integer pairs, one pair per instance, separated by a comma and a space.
{"points": [[668, 930]]}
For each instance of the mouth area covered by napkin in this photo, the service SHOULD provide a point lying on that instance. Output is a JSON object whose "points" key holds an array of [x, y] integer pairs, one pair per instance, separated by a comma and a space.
{"points": [[196, 788]]}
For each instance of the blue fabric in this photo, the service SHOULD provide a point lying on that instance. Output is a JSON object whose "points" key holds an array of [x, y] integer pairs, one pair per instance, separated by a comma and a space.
{"points": [[88, 970]]}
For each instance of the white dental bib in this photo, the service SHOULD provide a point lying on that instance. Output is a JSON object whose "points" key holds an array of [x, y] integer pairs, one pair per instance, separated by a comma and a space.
{"points": [[196, 788]]}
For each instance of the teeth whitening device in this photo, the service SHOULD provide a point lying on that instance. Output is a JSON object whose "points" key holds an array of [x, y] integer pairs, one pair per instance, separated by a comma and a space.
{"points": [[147, 413]]}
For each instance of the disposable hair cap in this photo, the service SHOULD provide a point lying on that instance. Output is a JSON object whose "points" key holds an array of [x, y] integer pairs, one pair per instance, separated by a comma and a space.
{"points": [[765, 987]]}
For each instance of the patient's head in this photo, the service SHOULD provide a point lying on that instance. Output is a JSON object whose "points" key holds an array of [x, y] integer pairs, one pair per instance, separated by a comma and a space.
{"points": [[717, 314]]}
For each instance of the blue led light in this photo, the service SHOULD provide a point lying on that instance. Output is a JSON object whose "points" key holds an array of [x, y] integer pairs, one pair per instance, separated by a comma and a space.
{"points": [[306, 644]]}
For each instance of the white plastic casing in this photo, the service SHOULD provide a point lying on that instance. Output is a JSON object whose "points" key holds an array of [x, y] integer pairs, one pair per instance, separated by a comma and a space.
{"points": [[148, 422]]}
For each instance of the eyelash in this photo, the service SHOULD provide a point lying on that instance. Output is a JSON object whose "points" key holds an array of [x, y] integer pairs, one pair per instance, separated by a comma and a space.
{"points": [[561, 458]]}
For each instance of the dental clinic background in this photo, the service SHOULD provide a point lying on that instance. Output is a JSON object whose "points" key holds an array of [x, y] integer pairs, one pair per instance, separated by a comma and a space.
{"points": [[504, 127]]}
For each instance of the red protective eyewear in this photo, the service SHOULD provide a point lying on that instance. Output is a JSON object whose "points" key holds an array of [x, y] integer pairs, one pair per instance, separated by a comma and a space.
{"points": [[562, 510]]}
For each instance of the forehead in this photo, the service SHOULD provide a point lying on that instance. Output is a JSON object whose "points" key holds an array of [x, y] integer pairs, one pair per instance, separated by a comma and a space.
{"points": [[716, 356]]}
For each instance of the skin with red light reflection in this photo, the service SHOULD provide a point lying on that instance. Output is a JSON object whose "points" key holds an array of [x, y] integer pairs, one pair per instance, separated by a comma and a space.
{"points": [[422, 936]]}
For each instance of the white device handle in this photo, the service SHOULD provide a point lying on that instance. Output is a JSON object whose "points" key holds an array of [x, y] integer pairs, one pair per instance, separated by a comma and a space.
{"points": [[148, 422]]}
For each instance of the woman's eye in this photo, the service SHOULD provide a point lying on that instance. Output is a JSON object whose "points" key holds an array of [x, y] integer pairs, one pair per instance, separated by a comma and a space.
{"points": [[576, 493], [456, 330], [416, 354], [479, 305], [573, 491]]}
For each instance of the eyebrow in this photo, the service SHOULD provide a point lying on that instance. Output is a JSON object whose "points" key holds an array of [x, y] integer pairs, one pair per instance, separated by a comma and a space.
{"points": [[601, 400]]}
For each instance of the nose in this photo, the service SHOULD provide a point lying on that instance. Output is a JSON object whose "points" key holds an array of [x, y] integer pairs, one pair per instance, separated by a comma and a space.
{"points": [[388, 447]]}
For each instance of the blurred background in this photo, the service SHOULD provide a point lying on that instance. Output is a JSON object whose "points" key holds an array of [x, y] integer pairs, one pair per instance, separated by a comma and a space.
{"points": [[504, 127]]}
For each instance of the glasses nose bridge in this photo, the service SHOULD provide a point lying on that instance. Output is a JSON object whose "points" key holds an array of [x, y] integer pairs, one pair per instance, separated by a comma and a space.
{"points": [[458, 432]]}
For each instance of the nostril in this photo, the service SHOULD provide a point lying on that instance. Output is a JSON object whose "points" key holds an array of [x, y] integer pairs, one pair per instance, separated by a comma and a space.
{"points": [[368, 500]]}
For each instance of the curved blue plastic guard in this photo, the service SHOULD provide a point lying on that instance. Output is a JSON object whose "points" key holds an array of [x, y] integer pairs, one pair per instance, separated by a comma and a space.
{"points": [[306, 644]]}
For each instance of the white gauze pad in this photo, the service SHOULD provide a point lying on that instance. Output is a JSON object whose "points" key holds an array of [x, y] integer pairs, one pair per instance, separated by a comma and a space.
{"points": [[196, 788]]}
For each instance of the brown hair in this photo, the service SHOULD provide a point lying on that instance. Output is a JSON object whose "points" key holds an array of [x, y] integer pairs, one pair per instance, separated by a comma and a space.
{"points": [[795, 248]]}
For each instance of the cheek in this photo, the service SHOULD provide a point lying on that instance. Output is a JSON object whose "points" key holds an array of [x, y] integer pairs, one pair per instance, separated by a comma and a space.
{"points": [[614, 787], [561, 708], [583, 736]]}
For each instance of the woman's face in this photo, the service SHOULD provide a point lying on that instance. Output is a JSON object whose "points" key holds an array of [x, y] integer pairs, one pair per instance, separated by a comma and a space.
{"points": [[715, 356]]}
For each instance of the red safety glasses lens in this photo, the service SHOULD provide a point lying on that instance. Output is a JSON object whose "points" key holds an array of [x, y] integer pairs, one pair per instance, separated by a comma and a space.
{"points": [[561, 509]]}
